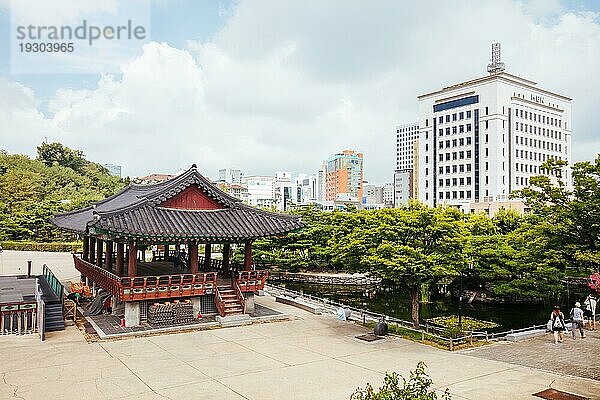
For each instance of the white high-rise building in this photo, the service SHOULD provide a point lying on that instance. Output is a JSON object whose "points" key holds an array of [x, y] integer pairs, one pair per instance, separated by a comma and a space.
{"points": [[321, 182], [261, 190], [230, 175], [388, 194], [406, 138], [306, 189], [482, 139]]}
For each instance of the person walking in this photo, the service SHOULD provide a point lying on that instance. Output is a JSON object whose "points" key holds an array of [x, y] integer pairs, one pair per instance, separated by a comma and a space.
{"points": [[590, 311], [558, 324], [577, 320]]}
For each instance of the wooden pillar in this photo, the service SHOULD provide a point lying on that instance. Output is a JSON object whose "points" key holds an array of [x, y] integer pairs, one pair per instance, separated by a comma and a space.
{"points": [[108, 256], [132, 259], [119, 260], [193, 254], [226, 256], [99, 252], [86, 248], [248, 256], [207, 252], [92, 246]]}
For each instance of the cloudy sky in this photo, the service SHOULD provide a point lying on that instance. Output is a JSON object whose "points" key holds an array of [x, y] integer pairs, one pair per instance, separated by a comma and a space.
{"points": [[280, 85]]}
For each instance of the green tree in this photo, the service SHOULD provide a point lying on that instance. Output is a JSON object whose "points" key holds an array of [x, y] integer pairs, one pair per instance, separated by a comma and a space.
{"points": [[570, 219], [32, 191], [410, 246]]}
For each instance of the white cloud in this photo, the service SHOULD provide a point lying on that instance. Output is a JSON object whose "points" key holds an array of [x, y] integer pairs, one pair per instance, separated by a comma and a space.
{"points": [[285, 84]]}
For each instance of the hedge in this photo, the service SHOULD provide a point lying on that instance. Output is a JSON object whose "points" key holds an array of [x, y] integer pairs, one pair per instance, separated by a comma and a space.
{"points": [[35, 246]]}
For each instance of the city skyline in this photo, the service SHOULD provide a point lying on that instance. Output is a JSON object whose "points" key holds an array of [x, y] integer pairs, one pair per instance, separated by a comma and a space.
{"points": [[286, 96]]}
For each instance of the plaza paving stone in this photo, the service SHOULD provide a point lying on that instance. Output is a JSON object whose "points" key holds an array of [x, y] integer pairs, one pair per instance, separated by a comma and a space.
{"points": [[579, 357], [306, 357]]}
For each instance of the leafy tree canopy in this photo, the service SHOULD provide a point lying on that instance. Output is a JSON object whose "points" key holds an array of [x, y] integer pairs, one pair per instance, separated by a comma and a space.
{"points": [[32, 191]]}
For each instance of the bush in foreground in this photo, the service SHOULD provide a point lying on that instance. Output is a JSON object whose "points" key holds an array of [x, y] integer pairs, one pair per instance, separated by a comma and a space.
{"points": [[417, 387]]}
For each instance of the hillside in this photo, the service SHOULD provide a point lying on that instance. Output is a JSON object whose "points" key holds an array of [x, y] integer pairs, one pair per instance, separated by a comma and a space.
{"points": [[59, 179]]}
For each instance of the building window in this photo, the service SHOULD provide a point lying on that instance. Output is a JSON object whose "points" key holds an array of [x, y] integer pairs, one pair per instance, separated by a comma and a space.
{"points": [[468, 180], [487, 124], [461, 168], [468, 113], [468, 165], [468, 153], [468, 194], [461, 115], [441, 120], [448, 118], [468, 127], [454, 168], [469, 140]]}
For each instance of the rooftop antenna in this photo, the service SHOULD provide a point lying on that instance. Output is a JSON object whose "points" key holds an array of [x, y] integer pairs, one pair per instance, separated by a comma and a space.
{"points": [[495, 66]]}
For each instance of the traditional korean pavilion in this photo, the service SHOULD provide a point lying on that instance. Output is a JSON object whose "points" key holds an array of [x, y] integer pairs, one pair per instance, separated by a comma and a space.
{"points": [[173, 218]]}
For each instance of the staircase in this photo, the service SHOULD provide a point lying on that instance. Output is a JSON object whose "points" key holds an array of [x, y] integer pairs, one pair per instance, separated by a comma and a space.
{"points": [[53, 318], [53, 307], [231, 304]]}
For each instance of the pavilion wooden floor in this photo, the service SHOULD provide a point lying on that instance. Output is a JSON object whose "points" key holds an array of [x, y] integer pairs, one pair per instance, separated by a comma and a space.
{"points": [[161, 268]]}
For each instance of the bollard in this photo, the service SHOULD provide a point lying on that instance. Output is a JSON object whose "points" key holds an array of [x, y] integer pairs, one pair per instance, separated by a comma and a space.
{"points": [[422, 336], [29, 269], [450, 344], [486, 336]]}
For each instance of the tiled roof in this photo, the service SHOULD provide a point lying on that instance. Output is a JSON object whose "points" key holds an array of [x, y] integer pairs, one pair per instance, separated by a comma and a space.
{"points": [[136, 212]]}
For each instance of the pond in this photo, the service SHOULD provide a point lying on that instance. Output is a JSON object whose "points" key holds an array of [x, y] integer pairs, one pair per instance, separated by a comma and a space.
{"points": [[396, 303]]}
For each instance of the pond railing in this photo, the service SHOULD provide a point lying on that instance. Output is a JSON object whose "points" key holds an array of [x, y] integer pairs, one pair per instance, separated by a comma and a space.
{"points": [[427, 330]]}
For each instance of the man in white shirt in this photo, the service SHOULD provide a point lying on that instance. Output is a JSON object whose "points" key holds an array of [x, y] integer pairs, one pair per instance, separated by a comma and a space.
{"points": [[577, 320]]}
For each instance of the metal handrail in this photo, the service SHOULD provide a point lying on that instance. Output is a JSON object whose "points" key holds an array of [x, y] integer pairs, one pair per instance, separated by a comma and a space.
{"points": [[374, 317]]}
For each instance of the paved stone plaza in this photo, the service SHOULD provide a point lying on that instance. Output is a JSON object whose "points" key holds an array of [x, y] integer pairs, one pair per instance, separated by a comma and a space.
{"points": [[306, 357], [579, 357]]}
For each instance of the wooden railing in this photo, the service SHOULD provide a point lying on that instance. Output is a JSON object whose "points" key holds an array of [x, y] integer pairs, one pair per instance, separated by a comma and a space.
{"points": [[149, 287], [101, 277], [167, 286], [251, 281], [238, 293], [18, 319], [219, 303], [215, 264]]}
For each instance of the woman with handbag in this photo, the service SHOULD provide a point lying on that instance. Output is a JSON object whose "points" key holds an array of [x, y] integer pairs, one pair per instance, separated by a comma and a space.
{"points": [[558, 324]]}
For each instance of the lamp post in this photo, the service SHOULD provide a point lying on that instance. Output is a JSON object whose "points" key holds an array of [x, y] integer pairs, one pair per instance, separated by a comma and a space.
{"points": [[460, 298]]}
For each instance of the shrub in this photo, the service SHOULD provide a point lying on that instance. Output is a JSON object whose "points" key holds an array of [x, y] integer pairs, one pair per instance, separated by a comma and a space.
{"points": [[35, 246], [468, 323], [417, 387]]}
